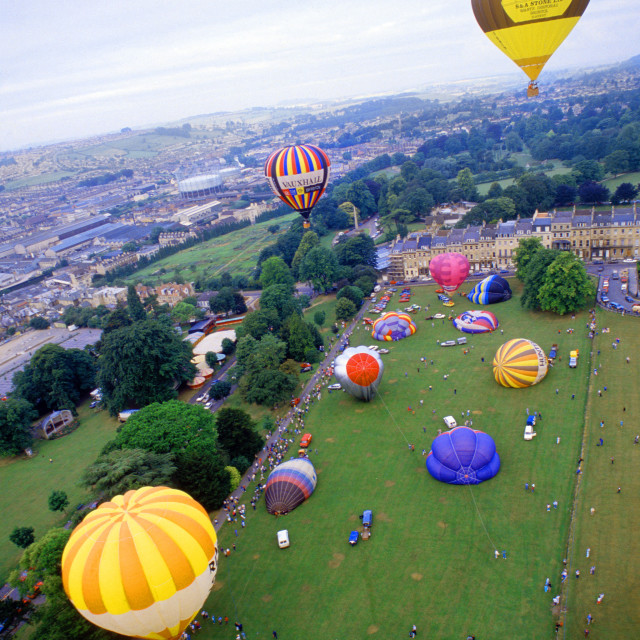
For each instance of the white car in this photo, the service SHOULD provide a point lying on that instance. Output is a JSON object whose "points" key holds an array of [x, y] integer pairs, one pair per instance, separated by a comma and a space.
{"points": [[450, 421], [208, 405], [283, 538], [383, 350], [629, 260], [373, 347], [335, 387], [438, 316], [448, 343]]}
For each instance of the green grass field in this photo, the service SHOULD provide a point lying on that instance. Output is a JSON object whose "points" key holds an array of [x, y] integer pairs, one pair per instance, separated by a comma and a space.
{"points": [[613, 183], [430, 560], [27, 483], [235, 252]]}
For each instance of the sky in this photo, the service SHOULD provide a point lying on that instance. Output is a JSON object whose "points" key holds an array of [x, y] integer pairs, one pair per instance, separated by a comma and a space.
{"points": [[75, 68]]}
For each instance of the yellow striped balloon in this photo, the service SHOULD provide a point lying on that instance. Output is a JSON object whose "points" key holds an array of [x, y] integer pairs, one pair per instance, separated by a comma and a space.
{"points": [[142, 564], [519, 363]]}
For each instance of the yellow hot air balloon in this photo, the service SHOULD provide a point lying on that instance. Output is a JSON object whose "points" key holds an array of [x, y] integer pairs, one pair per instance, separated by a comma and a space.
{"points": [[519, 363], [528, 31], [142, 564]]}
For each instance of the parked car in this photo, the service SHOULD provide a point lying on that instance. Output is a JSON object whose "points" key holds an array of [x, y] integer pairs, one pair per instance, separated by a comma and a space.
{"points": [[353, 538], [373, 347], [335, 387], [553, 353], [450, 421], [295, 402], [529, 433], [94, 404], [448, 343], [367, 518], [283, 539], [305, 369], [629, 299], [306, 440], [573, 359], [383, 350]]}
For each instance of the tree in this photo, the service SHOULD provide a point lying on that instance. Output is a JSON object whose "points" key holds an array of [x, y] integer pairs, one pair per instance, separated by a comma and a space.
{"points": [[189, 433], [117, 319], [593, 192], [588, 170], [359, 250], [319, 267], [361, 197], [495, 190], [565, 195], [58, 500], [466, 185], [617, 162], [39, 323], [223, 302], [279, 297], [525, 251], [259, 323], [536, 272], [345, 309], [274, 270], [319, 317], [239, 305], [237, 433], [268, 387], [255, 355], [211, 358], [55, 378], [143, 363], [134, 305], [16, 416], [184, 312], [351, 293], [625, 192], [566, 287], [220, 390], [121, 470], [309, 241], [540, 190], [22, 536], [296, 333], [228, 346]]}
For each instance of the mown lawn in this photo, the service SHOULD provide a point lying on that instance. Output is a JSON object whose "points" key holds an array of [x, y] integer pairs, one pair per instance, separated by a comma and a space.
{"points": [[27, 483], [430, 560]]}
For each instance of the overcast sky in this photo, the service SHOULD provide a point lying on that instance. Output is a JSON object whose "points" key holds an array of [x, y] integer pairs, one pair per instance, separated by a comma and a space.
{"points": [[74, 68]]}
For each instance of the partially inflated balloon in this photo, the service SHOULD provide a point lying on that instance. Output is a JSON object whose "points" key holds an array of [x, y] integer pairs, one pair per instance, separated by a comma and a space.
{"points": [[289, 485], [463, 456], [449, 270], [142, 564], [490, 290], [298, 175], [519, 363], [359, 371], [528, 31], [393, 326], [476, 322]]}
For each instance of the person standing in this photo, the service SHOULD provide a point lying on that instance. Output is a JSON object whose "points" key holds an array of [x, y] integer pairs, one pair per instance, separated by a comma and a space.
{"points": [[275, 635]]}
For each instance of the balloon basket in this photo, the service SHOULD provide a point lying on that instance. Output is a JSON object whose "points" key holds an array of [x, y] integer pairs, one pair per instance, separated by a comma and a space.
{"points": [[532, 90]]}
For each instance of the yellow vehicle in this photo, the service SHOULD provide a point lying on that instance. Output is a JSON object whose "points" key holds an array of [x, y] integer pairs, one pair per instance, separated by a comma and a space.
{"points": [[573, 359]]}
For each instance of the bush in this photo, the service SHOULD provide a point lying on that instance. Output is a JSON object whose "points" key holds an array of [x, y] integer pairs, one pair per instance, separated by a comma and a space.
{"points": [[22, 536], [58, 500], [234, 477]]}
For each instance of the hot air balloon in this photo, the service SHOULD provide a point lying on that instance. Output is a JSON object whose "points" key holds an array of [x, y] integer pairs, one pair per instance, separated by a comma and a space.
{"points": [[289, 485], [359, 371], [142, 564], [449, 270], [490, 290], [463, 456], [476, 322], [393, 326], [528, 32], [519, 363], [298, 175]]}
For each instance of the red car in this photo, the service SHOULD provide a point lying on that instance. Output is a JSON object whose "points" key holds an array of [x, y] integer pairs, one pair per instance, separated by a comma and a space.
{"points": [[306, 440], [295, 402]]}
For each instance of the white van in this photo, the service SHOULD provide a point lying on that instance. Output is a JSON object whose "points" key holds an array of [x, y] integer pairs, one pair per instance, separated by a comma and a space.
{"points": [[529, 433], [283, 539], [450, 421]]}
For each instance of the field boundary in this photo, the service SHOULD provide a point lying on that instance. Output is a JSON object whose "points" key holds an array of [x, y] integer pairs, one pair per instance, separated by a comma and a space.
{"points": [[564, 588]]}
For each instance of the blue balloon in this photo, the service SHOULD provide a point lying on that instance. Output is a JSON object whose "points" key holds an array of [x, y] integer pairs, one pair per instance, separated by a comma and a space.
{"points": [[490, 290], [463, 456]]}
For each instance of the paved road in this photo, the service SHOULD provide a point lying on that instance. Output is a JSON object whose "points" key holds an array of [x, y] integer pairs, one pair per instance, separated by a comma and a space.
{"points": [[615, 293]]}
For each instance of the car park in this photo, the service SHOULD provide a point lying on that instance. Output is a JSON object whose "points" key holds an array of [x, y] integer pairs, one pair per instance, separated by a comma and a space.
{"points": [[335, 387]]}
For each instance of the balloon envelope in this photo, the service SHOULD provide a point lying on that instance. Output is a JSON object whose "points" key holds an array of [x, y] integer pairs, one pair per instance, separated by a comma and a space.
{"points": [[528, 32], [449, 270], [142, 564], [519, 363], [359, 371], [298, 175], [289, 485], [393, 326], [490, 290], [476, 322], [463, 456]]}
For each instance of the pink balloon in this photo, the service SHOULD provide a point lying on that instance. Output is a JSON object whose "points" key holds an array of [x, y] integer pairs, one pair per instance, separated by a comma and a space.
{"points": [[449, 270]]}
